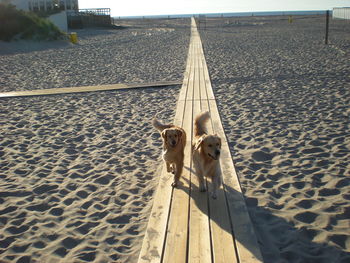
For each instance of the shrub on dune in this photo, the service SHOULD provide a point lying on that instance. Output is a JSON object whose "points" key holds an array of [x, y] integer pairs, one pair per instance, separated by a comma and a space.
{"points": [[18, 24]]}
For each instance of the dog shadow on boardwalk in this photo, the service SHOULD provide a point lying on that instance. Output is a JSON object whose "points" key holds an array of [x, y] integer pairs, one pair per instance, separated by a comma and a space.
{"points": [[279, 240]]}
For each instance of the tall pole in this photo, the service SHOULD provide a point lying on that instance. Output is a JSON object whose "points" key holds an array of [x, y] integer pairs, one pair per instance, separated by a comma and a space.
{"points": [[327, 27]]}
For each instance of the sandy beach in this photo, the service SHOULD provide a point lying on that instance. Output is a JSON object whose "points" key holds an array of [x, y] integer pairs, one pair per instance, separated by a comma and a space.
{"points": [[284, 101], [145, 51], [78, 171]]}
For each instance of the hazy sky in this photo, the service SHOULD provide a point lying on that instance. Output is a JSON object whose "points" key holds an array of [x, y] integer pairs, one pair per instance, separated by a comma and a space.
{"points": [[168, 7]]}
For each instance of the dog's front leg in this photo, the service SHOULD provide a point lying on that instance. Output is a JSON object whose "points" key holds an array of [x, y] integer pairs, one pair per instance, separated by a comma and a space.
{"points": [[168, 167], [216, 180], [178, 166], [202, 186], [173, 168], [199, 172], [201, 180]]}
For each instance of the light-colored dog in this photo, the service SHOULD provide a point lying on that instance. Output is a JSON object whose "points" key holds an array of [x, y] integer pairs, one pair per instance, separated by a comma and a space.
{"points": [[174, 141], [206, 152]]}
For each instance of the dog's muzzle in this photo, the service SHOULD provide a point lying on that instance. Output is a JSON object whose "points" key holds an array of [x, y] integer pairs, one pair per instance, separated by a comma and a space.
{"points": [[217, 155]]}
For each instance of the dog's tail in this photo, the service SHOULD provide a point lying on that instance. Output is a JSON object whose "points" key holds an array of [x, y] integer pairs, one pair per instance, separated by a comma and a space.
{"points": [[199, 123], [160, 126]]}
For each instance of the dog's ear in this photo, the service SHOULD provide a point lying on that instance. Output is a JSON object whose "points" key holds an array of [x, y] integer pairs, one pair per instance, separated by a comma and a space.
{"points": [[217, 136], [164, 134], [199, 143], [179, 133]]}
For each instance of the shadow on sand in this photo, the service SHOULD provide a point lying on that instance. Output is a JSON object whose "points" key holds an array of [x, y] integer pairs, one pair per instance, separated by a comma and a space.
{"points": [[279, 240]]}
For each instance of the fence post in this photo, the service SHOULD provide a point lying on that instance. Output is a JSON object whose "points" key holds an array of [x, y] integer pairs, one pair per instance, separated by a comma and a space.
{"points": [[327, 27]]}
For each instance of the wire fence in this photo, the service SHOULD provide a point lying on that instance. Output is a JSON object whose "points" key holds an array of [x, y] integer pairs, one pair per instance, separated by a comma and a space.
{"points": [[334, 32], [97, 17]]}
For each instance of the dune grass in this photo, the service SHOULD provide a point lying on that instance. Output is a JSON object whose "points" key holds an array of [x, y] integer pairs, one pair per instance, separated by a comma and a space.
{"points": [[18, 24]]}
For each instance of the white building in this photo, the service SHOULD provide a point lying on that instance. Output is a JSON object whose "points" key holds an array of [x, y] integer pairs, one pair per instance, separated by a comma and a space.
{"points": [[341, 12], [46, 5], [59, 18]]}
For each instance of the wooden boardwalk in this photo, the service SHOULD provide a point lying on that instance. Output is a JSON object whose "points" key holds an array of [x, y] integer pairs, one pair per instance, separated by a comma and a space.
{"points": [[56, 91], [186, 225]]}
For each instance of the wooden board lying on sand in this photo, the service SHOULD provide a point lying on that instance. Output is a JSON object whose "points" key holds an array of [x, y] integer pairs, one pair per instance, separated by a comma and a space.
{"points": [[41, 92]]}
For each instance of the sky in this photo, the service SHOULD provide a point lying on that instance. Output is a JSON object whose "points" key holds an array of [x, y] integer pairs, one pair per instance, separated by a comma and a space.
{"points": [[166, 7]]}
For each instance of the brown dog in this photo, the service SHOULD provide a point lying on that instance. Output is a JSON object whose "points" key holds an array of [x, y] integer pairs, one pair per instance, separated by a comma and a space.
{"points": [[206, 152], [174, 141]]}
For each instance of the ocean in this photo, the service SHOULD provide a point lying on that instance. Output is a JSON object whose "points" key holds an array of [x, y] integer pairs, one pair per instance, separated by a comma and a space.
{"points": [[237, 14]]}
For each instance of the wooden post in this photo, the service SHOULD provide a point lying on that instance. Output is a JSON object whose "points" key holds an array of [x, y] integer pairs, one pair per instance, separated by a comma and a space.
{"points": [[327, 27]]}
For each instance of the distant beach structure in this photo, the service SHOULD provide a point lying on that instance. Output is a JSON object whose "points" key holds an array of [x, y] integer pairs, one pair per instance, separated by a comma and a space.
{"points": [[65, 14], [45, 5], [54, 10], [341, 12]]}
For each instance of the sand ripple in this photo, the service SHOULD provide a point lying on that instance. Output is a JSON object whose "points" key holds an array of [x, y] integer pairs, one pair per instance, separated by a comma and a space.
{"points": [[78, 173]]}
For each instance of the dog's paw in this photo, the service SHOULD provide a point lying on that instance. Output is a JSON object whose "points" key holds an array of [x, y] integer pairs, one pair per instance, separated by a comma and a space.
{"points": [[202, 188], [213, 195], [174, 184], [173, 169], [170, 168]]}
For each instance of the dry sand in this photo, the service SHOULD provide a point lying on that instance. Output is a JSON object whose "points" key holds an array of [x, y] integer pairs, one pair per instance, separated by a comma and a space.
{"points": [[145, 51], [78, 172], [284, 101]]}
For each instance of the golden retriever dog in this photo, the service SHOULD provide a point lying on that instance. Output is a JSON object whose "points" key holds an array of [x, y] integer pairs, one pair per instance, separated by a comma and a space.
{"points": [[174, 141], [206, 152]]}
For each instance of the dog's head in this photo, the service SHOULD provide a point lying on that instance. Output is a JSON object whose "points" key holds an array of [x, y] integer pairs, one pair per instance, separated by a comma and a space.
{"points": [[210, 146], [172, 136]]}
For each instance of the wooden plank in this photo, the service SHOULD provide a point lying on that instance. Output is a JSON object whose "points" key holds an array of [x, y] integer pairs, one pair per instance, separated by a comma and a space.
{"points": [[196, 91], [185, 83], [210, 93], [199, 231], [247, 246], [179, 115], [152, 246], [83, 89], [177, 232], [246, 242], [202, 81], [223, 245], [153, 242], [221, 233], [183, 90], [189, 95], [208, 82]]}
